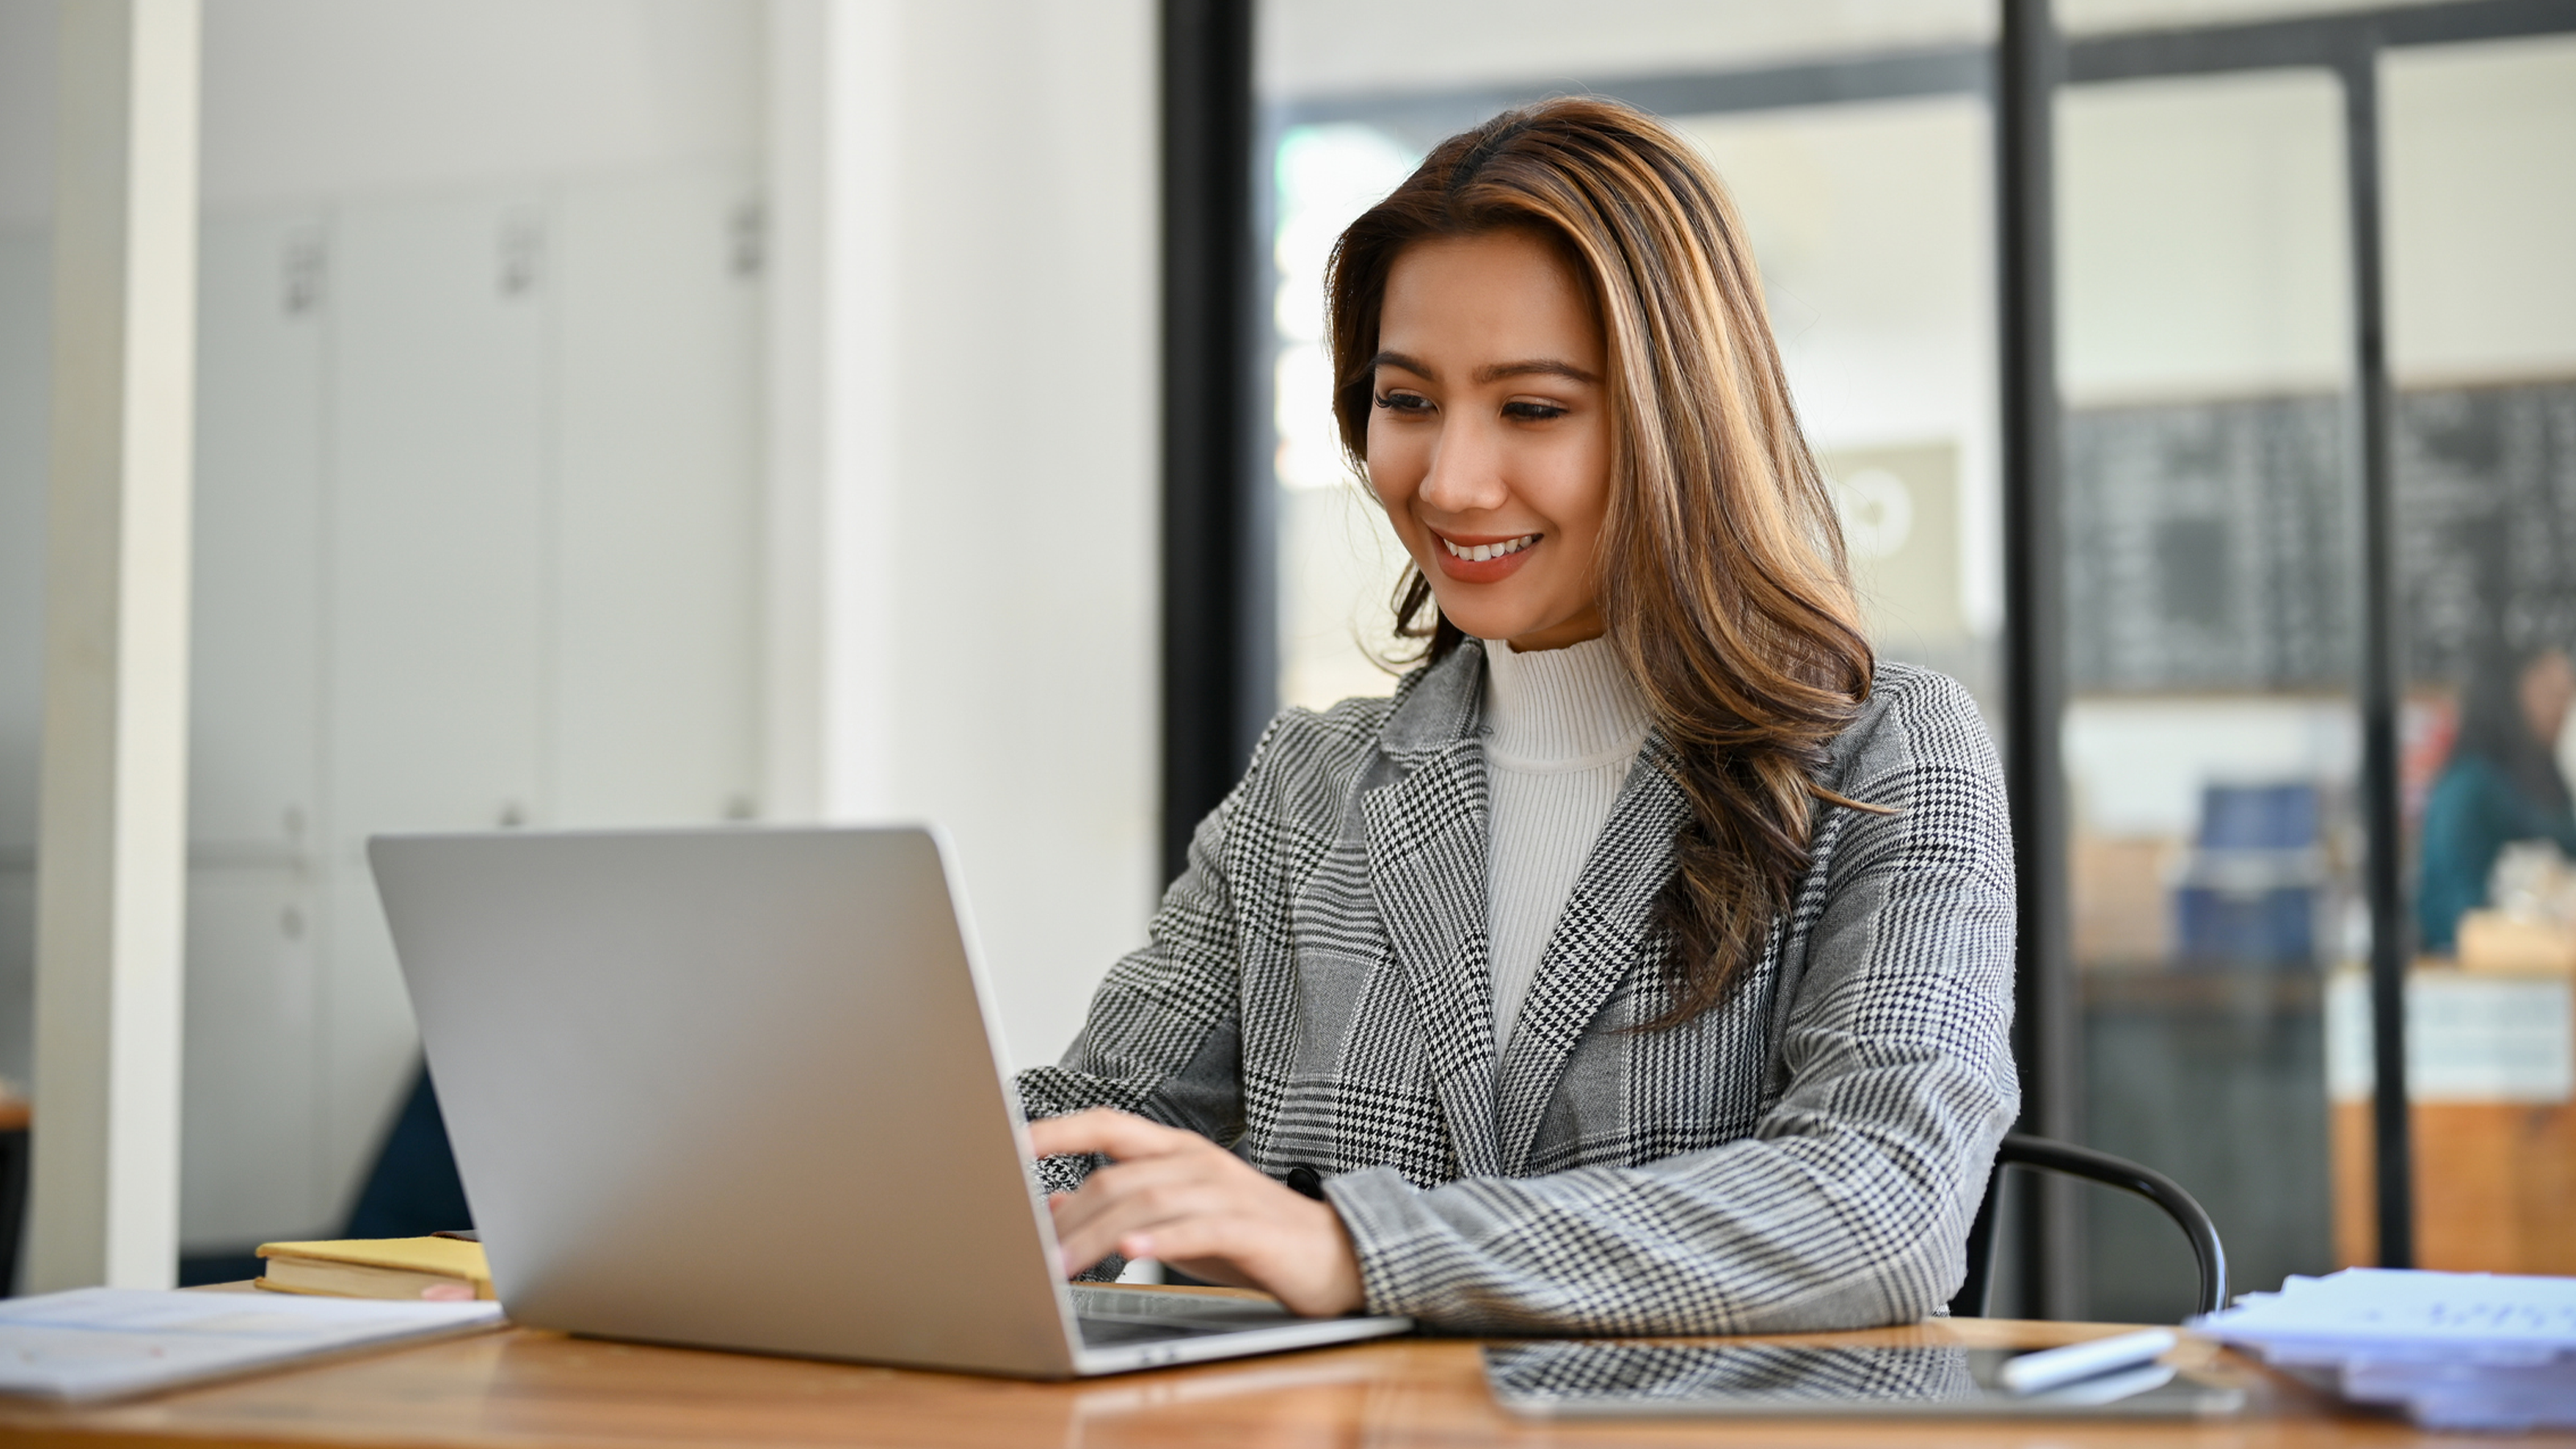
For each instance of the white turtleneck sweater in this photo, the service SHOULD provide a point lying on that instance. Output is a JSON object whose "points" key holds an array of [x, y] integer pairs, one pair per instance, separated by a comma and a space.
{"points": [[1562, 728]]}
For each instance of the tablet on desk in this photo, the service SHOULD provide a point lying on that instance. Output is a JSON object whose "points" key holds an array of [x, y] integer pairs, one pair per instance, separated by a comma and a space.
{"points": [[1651, 1380]]}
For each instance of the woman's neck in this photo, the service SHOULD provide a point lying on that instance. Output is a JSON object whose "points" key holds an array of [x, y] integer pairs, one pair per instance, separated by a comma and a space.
{"points": [[1567, 705]]}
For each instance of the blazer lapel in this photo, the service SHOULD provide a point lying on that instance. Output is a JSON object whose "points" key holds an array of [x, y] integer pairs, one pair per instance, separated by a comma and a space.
{"points": [[1599, 939], [1426, 851]]}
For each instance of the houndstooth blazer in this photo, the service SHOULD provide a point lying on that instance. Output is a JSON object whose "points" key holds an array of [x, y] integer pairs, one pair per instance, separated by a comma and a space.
{"points": [[1806, 1155]]}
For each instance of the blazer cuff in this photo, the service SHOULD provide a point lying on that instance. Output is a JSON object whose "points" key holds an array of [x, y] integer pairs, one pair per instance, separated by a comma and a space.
{"points": [[1391, 1235]]}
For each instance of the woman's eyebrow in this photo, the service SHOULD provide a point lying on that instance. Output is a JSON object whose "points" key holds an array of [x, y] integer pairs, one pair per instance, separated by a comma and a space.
{"points": [[1490, 372], [1536, 366]]}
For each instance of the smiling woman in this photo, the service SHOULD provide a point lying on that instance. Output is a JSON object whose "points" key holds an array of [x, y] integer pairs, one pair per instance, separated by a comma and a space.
{"points": [[1643, 965]]}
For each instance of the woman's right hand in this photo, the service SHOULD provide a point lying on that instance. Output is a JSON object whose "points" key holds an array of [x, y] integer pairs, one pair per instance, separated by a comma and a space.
{"points": [[1175, 1196]]}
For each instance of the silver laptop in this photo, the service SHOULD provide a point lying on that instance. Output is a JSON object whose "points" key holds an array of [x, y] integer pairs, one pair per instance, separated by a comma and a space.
{"points": [[742, 1089]]}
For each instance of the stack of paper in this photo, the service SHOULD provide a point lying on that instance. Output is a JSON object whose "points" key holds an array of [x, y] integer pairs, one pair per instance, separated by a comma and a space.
{"points": [[2455, 1350], [96, 1343]]}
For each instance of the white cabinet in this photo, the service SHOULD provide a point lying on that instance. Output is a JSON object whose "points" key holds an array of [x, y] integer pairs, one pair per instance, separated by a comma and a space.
{"points": [[438, 560], [253, 1085], [478, 530], [24, 355], [255, 718], [656, 681], [439, 516], [478, 518], [251, 1078]]}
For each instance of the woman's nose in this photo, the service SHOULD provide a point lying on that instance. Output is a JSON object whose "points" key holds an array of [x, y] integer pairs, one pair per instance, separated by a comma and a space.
{"points": [[1466, 472]]}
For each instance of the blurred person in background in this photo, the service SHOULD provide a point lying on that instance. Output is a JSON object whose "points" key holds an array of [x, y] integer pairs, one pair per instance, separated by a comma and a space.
{"points": [[1645, 963], [2502, 783]]}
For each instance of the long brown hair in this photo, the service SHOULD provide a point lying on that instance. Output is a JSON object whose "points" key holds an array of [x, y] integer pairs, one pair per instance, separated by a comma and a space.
{"points": [[1722, 576]]}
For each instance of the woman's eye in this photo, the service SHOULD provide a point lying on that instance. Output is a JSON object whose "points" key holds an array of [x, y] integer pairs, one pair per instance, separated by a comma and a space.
{"points": [[1404, 402], [1532, 412]]}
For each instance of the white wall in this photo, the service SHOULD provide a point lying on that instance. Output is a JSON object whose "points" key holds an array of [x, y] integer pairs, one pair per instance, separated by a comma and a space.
{"points": [[310, 97], [2481, 211], [1874, 228], [2138, 764], [315, 97], [2090, 16], [2201, 238], [985, 456]]}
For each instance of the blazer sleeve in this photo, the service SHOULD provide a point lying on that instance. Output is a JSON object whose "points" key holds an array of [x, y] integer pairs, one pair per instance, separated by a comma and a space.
{"points": [[1850, 1201], [1163, 1037]]}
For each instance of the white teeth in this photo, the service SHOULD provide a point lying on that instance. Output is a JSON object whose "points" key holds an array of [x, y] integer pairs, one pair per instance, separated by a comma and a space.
{"points": [[1480, 552]]}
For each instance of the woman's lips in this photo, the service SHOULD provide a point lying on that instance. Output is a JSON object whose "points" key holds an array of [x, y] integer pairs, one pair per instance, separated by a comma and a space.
{"points": [[1445, 549]]}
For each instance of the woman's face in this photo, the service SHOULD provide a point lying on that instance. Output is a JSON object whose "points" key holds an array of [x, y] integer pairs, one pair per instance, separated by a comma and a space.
{"points": [[1489, 441], [2548, 689]]}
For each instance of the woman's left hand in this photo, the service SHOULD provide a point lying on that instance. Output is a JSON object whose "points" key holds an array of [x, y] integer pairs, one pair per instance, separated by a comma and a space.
{"points": [[1177, 1197]]}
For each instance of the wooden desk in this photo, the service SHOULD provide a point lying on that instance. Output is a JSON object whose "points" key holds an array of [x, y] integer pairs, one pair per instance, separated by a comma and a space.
{"points": [[523, 1388]]}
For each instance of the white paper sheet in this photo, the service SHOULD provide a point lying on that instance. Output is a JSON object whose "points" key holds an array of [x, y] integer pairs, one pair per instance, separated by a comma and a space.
{"points": [[99, 1343], [2458, 1350], [2471, 1315]]}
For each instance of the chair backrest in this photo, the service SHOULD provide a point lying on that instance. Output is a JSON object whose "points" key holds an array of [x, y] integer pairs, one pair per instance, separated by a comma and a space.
{"points": [[2050, 1155]]}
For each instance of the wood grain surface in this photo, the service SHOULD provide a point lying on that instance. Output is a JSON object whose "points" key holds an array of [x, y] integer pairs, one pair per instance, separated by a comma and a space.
{"points": [[2493, 1185], [524, 1387]]}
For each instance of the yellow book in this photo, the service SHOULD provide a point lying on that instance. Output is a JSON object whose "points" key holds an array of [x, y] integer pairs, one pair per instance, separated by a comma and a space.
{"points": [[378, 1268]]}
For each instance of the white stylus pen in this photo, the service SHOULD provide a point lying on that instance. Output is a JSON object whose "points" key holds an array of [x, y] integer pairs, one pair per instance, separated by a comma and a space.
{"points": [[2037, 1372]]}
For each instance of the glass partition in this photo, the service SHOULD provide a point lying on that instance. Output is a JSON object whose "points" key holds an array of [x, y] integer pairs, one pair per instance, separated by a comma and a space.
{"points": [[2211, 734], [2215, 541], [2481, 223]]}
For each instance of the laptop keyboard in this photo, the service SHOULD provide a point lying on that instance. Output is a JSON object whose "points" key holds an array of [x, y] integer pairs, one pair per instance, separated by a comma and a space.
{"points": [[1101, 1332], [1111, 1318]]}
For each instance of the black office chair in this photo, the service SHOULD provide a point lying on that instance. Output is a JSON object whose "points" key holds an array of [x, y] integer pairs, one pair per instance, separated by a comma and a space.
{"points": [[413, 1189], [2054, 1156]]}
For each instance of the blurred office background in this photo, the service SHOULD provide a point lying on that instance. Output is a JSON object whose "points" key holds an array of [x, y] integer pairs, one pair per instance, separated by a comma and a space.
{"points": [[674, 411], [2210, 556]]}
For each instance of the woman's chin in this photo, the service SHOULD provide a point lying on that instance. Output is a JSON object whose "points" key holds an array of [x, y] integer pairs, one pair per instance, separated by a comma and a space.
{"points": [[1486, 623]]}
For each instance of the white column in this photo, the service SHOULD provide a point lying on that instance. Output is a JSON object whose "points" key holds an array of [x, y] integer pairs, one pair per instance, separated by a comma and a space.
{"points": [[833, 182], [964, 468], [112, 844]]}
